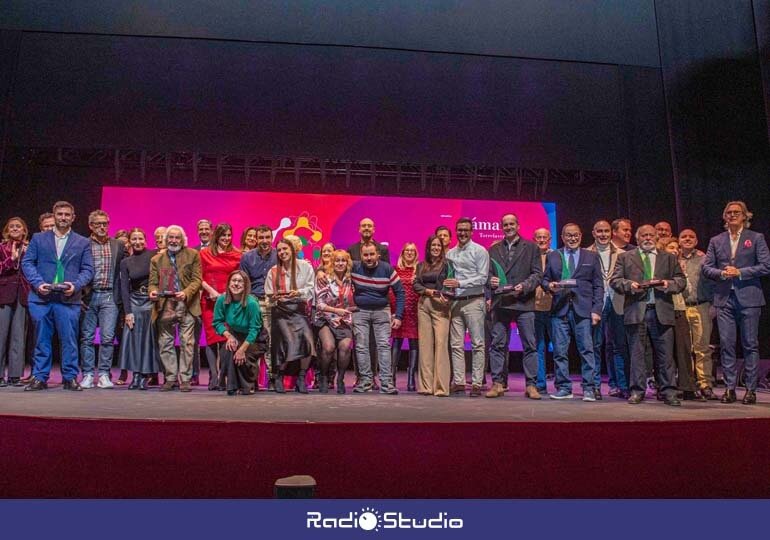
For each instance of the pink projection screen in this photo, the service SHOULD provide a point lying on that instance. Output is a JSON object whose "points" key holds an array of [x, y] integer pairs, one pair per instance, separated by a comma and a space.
{"points": [[318, 218]]}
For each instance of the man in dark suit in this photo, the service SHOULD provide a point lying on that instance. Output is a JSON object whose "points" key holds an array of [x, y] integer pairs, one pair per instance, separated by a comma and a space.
{"points": [[58, 265], [514, 267], [649, 311], [100, 299], [736, 259], [366, 231], [575, 309]]}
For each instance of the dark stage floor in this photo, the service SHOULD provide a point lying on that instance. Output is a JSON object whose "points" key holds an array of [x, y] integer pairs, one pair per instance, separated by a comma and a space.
{"points": [[200, 404]]}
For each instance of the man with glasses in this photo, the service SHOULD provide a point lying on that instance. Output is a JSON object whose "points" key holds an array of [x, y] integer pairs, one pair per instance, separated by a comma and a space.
{"points": [[648, 278], [58, 265], [574, 276], [470, 264], [736, 259], [100, 299]]}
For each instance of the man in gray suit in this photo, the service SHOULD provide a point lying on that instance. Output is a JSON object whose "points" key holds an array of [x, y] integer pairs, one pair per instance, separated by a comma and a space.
{"points": [[648, 277]]}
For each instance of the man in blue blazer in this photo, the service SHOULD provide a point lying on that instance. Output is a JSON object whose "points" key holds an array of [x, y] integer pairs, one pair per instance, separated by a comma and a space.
{"points": [[58, 264], [575, 310], [736, 259]]}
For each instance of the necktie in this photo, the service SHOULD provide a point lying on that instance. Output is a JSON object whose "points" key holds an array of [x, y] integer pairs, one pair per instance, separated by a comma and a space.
{"points": [[647, 266], [571, 263]]}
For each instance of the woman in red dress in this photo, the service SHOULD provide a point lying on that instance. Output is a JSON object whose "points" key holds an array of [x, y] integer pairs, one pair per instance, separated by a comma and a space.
{"points": [[217, 262], [405, 268]]}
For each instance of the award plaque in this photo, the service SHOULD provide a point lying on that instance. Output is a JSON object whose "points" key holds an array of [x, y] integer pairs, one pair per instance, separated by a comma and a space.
{"points": [[167, 283], [651, 283], [449, 292], [59, 287], [567, 283], [503, 286]]}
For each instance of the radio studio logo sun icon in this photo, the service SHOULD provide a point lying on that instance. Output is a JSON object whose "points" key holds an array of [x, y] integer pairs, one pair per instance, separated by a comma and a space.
{"points": [[369, 520]]}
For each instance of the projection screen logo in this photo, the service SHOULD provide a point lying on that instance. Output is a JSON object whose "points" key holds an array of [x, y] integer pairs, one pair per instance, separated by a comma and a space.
{"points": [[371, 519]]}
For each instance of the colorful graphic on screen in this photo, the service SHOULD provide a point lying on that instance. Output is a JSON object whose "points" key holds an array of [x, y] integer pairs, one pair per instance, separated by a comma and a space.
{"points": [[318, 219]]}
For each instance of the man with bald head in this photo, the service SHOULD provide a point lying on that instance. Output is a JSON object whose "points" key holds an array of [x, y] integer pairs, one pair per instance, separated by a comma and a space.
{"points": [[366, 231], [648, 278], [609, 335]]}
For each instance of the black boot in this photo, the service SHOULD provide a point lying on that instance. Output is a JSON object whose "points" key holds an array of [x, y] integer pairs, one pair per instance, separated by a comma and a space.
{"points": [[300, 386], [143, 381], [135, 379], [340, 382], [279, 383], [395, 354], [323, 384], [412, 370]]}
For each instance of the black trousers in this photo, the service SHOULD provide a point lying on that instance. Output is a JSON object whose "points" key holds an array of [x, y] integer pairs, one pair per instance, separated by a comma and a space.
{"points": [[661, 337], [241, 377]]}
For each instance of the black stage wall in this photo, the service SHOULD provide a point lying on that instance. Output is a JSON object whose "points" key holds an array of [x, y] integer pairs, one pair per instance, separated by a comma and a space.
{"points": [[669, 94]]}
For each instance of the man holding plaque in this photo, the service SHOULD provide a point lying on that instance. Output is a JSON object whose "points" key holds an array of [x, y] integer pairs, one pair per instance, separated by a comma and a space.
{"points": [[648, 278], [174, 285], [57, 264], [574, 276], [515, 271]]}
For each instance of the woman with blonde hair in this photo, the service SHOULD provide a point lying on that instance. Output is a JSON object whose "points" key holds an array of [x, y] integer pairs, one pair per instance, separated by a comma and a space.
{"points": [[406, 269], [333, 320]]}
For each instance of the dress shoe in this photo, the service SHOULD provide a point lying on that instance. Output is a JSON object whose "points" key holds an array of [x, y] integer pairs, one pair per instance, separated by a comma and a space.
{"points": [[36, 385], [598, 394], [15, 381], [729, 397], [168, 386], [532, 393], [475, 390], [672, 401], [708, 393], [232, 392], [73, 385], [750, 398], [185, 387], [635, 398], [456, 389], [495, 391], [692, 396]]}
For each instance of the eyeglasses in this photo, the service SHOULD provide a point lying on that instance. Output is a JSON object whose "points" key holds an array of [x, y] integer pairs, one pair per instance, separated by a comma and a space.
{"points": [[99, 223], [733, 212], [572, 235]]}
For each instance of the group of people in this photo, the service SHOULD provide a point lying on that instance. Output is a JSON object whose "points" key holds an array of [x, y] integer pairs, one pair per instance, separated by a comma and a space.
{"points": [[646, 310]]}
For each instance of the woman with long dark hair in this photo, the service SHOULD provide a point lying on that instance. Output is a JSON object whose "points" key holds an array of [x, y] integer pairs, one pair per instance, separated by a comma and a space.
{"points": [[238, 319], [218, 261], [14, 289], [333, 320], [433, 321], [289, 285], [139, 343]]}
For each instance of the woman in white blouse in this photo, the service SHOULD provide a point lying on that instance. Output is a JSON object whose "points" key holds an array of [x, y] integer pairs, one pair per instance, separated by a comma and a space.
{"points": [[289, 285]]}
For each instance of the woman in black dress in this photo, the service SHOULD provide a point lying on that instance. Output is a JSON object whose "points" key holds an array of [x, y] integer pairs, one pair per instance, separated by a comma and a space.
{"points": [[139, 345]]}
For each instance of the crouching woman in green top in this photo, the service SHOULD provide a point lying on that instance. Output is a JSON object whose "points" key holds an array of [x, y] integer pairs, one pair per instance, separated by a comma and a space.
{"points": [[238, 319]]}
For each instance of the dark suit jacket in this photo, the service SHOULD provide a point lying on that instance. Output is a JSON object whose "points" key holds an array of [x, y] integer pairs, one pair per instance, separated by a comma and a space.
{"points": [[39, 265], [752, 258], [588, 296], [188, 264], [524, 268], [355, 252], [118, 251], [13, 286], [630, 268]]}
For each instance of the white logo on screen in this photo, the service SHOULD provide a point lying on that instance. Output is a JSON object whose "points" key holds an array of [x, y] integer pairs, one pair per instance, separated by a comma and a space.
{"points": [[370, 519]]}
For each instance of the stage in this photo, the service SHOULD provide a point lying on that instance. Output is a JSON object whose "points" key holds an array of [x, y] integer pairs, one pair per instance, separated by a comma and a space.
{"points": [[121, 443]]}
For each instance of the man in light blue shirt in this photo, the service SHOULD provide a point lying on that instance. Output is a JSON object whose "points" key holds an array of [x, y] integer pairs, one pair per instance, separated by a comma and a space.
{"points": [[469, 272]]}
